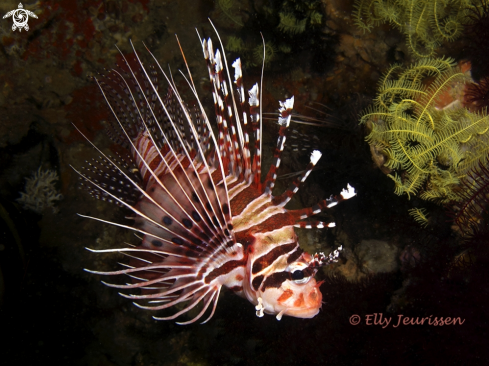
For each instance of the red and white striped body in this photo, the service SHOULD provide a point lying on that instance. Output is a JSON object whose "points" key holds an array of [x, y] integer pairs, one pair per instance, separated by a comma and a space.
{"points": [[207, 217]]}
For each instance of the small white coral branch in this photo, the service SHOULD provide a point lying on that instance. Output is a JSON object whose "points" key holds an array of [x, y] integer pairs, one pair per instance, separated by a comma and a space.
{"points": [[40, 192]]}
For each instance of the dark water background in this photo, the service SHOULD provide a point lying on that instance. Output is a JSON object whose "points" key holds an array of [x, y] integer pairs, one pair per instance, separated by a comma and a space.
{"points": [[52, 312]]}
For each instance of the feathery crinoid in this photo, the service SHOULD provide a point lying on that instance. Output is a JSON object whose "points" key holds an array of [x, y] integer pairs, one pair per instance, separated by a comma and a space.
{"points": [[231, 9], [476, 96], [429, 144], [364, 15], [425, 23], [420, 216], [473, 206], [298, 16], [289, 24]]}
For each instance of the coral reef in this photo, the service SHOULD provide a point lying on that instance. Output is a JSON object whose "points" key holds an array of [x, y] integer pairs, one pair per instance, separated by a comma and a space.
{"points": [[368, 257], [231, 9], [286, 25], [310, 16], [40, 192], [427, 139], [425, 23]]}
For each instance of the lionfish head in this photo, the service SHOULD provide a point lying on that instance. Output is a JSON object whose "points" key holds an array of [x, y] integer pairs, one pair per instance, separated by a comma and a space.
{"points": [[298, 294], [288, 286]]}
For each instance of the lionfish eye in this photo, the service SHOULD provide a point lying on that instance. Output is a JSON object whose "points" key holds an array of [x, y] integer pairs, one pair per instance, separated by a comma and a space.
{"points": [[298, 275]]}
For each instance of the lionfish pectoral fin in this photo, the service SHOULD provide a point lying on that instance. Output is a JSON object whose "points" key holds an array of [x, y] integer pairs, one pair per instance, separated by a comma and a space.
{"points": [[207, 295]]}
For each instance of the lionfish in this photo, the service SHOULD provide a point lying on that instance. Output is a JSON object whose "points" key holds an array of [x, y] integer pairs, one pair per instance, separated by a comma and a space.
{"points": [[205, 216]]}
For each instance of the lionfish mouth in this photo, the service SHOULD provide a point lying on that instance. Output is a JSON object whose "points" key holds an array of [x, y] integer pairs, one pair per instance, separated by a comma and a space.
{"points": [[206, 216]]}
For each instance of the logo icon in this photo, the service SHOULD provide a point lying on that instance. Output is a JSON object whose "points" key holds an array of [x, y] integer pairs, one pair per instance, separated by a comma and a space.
{"points": [[20, 17]]}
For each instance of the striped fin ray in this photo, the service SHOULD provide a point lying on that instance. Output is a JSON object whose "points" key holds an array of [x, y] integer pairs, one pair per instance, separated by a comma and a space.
{"points": [[220, 95], [222, 208], [283, 121], [225, 119], [158, 156], [234, 140], [175, 234], [286, 196], [239, 132], [133, 99], [216, 209], [238, 80], [184, 212], [173, 251], [113, 196], [255, 119], [305, 213]]}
